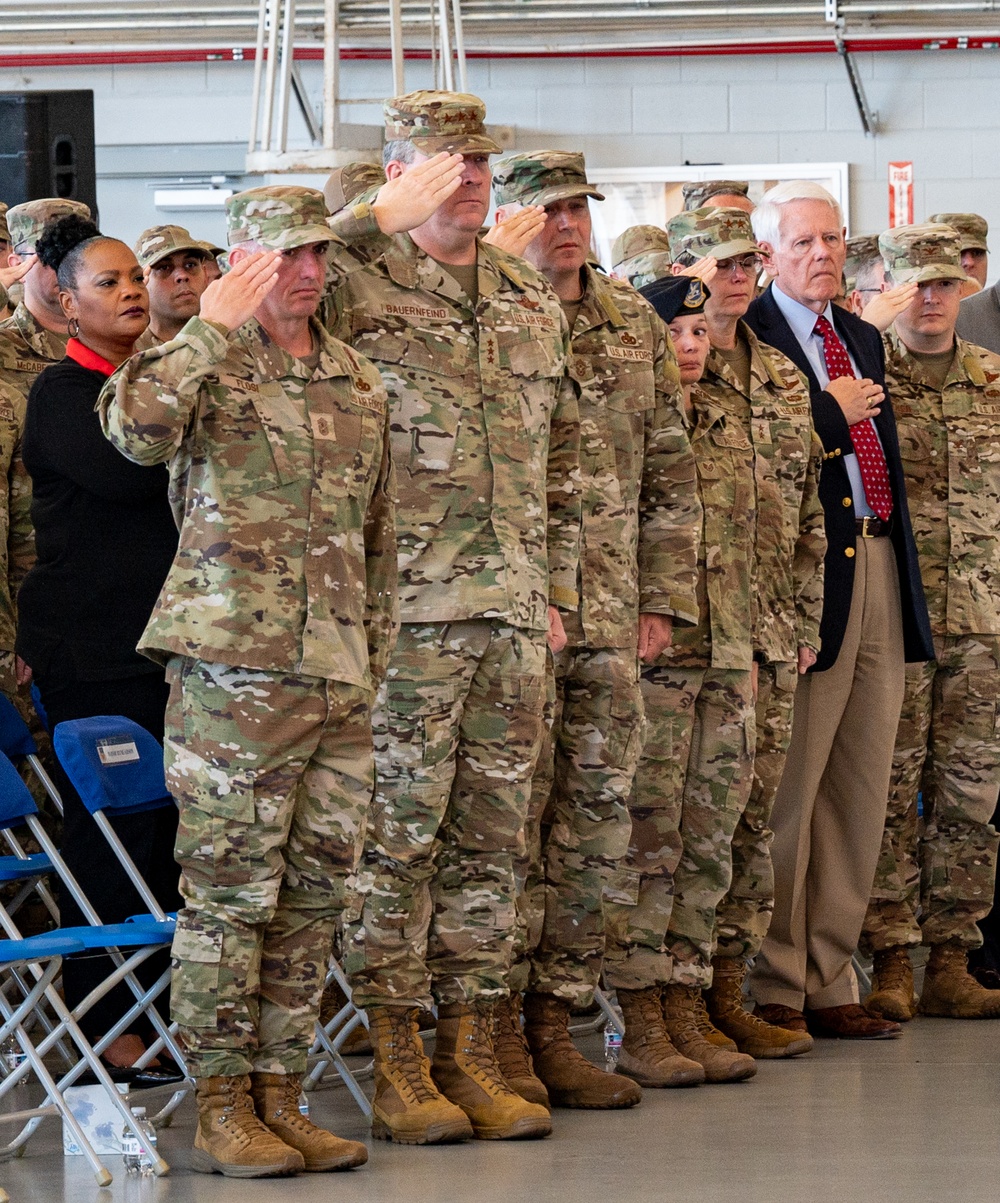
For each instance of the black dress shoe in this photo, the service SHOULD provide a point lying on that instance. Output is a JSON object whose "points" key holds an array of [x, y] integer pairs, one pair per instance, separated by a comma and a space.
{"points": [[850, 1022]]}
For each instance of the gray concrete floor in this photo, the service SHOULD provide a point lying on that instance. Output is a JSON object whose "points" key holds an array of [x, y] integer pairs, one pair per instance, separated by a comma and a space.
{"points": [[898, 1121]]}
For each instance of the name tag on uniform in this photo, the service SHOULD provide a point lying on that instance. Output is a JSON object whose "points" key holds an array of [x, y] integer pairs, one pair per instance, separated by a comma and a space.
{"points": [[424, 311], [635, 354], [30, 365], [113, 752], [986, 407]]}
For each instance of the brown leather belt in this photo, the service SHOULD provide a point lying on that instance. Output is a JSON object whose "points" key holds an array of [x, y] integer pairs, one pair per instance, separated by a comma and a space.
{"points": [[872, 528]]}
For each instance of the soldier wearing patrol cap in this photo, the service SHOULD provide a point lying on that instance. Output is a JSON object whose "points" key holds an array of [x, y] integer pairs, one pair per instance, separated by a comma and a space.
{"points": [[932, 888], [174, 265], [35, 334], [345, 184], [707, 813], [473, 350], [275, 622], [715, 194], [864, 272], [4, 269], [640, 526], [640, 255], [972, 233]]}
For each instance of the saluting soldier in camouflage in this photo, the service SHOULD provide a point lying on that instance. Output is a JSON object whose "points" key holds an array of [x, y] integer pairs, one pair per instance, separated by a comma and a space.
{"points": [[35, 334], [472, 348], [748, 378], [641, 254], [641, 525], [276, 622], [946, 397], [17, 538], [694, 775], [716, 194]]}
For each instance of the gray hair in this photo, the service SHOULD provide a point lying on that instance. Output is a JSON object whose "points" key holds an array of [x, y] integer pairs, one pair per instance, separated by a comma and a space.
{"points": [[870, 274], [766, 218], [400, 150]]}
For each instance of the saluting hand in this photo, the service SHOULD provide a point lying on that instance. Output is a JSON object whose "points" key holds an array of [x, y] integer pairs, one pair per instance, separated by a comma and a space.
{"points": [[516, 232], [412, 197], [883, 309], [11, 275], [233, 298]]}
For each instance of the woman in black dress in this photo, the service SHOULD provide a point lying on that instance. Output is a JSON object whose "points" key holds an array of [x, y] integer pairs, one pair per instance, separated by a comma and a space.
{"points": [[105, 539]]}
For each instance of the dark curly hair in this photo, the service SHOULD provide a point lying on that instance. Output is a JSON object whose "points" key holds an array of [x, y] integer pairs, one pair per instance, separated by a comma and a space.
{"points": [[61, 245]]}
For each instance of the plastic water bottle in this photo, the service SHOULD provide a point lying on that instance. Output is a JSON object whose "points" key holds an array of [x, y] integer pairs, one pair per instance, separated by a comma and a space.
{"points": [[134, 1158], [612, 1046], [14, 1057]]}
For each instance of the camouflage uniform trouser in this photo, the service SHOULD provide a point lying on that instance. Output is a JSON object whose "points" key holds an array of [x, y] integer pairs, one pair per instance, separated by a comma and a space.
{"points": [[578, 822], [458, 729], [744, 915], [948, 745], [273, 775], [691, 787]]}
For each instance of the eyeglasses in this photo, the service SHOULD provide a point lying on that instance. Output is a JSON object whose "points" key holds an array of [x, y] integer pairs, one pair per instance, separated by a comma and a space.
{"points": [[749, 264]]}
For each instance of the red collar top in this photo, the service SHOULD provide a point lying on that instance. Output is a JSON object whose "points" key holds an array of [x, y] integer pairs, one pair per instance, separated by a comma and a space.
{"points": [[89, 359]]}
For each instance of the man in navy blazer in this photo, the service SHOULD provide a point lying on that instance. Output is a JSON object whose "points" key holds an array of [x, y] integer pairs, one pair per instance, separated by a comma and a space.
{"points": [[830, 807]]}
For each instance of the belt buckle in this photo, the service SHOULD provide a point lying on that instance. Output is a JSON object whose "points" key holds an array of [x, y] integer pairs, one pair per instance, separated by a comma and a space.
{"points": [[864, 527]]}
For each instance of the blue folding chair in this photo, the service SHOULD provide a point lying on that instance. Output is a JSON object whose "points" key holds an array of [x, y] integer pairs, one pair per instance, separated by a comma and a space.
{"points": [[18, 744], [28, 969], [127, 944]]}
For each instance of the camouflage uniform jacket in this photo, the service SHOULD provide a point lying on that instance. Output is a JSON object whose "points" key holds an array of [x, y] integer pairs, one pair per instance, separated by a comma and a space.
{"points": [[949, 442], [282, 490], [726, 578], [17, 538], [26, 349], [791, 543], [485, 433], [641, 514]]}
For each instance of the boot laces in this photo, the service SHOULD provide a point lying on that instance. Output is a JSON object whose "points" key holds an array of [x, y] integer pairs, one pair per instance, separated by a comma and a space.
{"points": [[407, 1058], [894, 973], [478, 1045], [509, 1043]]}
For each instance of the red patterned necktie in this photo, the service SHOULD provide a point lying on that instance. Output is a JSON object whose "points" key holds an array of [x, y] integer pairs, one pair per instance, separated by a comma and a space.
{"points": [[871, 458]]}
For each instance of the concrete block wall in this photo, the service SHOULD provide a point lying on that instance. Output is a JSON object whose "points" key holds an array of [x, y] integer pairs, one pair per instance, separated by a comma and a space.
{"points": [[939, 108]]}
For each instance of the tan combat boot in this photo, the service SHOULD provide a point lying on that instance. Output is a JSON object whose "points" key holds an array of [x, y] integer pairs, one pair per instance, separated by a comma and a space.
{"points": [[646, 1055], [408, 1108], [231, 1140], [951, 991], [276, 1101], [466, 1072], [750, 1034], [680, 1016], [892, 994], [570, 1079], [512, 1052]]}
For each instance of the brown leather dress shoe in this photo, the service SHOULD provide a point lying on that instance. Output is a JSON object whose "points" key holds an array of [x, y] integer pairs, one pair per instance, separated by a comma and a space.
{"points": [[780, 1016], [850, 1022]]}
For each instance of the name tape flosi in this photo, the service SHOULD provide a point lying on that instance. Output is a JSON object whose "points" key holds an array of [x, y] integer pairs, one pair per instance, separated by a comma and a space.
{"points": [[111, 751]]}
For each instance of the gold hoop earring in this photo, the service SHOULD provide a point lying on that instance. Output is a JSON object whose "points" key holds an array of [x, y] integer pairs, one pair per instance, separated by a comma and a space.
{"points": [[73, 327]]}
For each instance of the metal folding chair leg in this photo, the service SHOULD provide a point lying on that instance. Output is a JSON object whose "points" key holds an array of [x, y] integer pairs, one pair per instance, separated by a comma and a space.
{"points": [[330, 1039]]}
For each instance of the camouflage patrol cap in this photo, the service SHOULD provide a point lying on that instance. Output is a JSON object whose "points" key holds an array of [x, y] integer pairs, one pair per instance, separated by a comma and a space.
{"points": [[721, 233], [279, 217], [697, 192], [4, 232], [920, 253], [211, 249], [26, 222], [436, 121], [158, 242], [972, 229], [345, 184], [539, 177], [859, 250], [638, 240], [680, 296]]}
